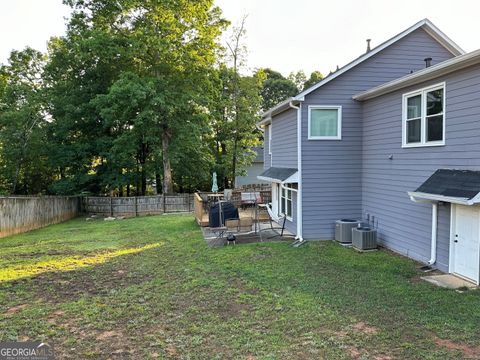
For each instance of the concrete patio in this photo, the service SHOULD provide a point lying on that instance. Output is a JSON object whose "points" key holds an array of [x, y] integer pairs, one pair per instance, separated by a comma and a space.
{"points": [[218, 237], [449, 281]]}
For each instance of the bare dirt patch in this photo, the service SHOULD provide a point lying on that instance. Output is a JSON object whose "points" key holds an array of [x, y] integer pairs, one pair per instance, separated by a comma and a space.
{"points": [[470, 352], [171, 350], [71, 285], [383, 357], [341, 334], [364, 328], [355, 352], [16, 309]]}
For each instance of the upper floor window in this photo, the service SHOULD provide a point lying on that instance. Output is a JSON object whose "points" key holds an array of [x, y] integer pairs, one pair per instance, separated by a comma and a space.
{"points": [[424, 117], [325, 122]]}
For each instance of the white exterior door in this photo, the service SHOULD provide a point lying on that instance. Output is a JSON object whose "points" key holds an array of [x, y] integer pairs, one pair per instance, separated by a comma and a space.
{"points": [[466, 242]]}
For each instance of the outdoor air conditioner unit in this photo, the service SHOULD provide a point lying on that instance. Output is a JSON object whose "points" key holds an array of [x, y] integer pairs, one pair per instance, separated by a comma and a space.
{"points": [[343, 230], [364, 238]]}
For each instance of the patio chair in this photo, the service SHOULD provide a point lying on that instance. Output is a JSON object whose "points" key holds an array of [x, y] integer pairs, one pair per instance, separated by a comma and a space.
{"points": [[277, 223]]}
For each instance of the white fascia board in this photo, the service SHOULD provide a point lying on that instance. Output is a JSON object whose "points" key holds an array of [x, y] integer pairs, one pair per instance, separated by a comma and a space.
{"points": [[442, 38], [430, 73], [265, 121], [277, 109], [279, 106], [426, 24], [425, 197], [272, 180], [291, 179]]}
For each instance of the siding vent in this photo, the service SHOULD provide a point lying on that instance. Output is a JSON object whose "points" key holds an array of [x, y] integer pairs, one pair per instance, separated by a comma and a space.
{"points": [[368, 45], [428, 62]]}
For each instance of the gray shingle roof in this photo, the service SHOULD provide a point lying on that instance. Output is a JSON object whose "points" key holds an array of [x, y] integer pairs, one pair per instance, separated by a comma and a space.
{"points": [[279, 174], [452, 183]]}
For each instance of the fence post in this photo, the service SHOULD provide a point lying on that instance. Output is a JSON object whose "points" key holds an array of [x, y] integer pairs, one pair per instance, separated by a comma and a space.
{"points": [[188, 202], [86, 204], [111, 206], [136, 209], [164, 205]]}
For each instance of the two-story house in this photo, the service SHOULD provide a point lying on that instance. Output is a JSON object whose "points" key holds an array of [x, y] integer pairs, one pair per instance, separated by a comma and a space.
{"points": [[399, 123]]}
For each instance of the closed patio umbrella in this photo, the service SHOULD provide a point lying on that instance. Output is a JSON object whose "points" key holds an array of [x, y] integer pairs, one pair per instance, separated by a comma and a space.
{"points": [[214, 184]]}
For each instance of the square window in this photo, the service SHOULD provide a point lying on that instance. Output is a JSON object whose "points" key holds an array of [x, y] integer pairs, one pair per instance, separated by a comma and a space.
{"points": [[324, 123]]}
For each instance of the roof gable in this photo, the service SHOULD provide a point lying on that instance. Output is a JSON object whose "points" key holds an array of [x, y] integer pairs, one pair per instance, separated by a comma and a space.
{"points": [[425, 24], [427, 74]]}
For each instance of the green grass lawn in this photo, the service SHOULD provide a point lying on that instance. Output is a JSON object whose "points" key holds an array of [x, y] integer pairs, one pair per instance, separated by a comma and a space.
{"points": [[150, 288]]}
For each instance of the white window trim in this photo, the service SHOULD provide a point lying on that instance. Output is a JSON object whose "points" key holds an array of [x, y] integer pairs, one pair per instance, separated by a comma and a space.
{"points": [[339, 122], [423, 121], [270, 139]]}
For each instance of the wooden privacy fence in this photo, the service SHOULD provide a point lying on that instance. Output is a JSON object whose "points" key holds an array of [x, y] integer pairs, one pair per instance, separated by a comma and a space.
{"points": [[139, 205], [24, 213]]}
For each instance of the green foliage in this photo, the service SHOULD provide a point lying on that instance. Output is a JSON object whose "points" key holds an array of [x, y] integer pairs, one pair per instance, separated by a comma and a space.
{"points": [[298, 79], [275, 88], [314, 78], [138, 96], [23, 122], [127, 92], [234, 112]]}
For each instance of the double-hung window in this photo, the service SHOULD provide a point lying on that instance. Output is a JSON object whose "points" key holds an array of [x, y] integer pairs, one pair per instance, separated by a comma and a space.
{"points": [[424, 117], [324, 122], [285, 200]]}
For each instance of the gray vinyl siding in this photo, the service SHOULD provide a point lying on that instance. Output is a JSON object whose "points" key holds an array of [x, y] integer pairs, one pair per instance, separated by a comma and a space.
{"points": [[284, 152], [251, 177], [284, 139], [332, 169], [405, 226]]}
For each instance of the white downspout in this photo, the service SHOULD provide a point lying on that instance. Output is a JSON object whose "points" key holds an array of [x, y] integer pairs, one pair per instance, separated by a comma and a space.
{"points": [[270, 142], [299, 166], [433, 249]]}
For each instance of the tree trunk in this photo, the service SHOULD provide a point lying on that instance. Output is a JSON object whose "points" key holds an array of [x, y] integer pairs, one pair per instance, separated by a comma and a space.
{"points": [[234, 160], [144, 180], [167, 170], [15, 179], [158, 182]]}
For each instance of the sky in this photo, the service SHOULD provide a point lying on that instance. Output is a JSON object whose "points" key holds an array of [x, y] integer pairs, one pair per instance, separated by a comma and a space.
{"points": [[284, 35]]}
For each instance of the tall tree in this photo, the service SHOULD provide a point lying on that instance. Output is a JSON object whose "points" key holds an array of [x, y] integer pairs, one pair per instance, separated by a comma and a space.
{"points": [[275, 88], [223, 111], [22, 122], [237, 52], [171, 43], [314, 78], [298, 78]]}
